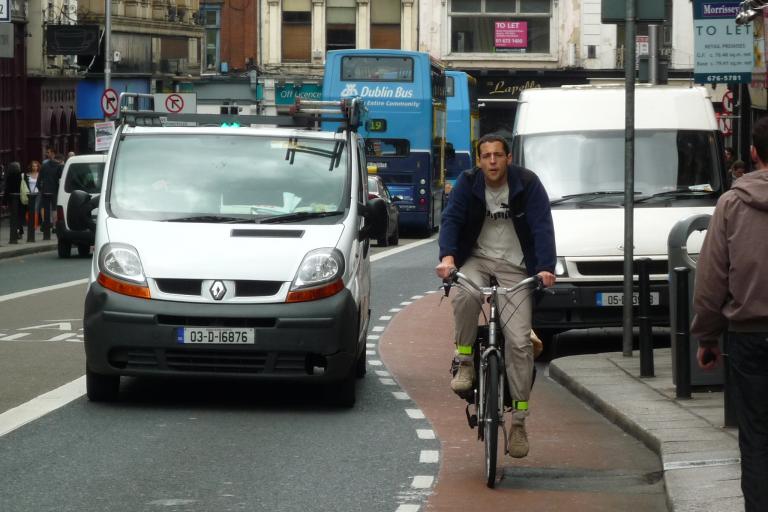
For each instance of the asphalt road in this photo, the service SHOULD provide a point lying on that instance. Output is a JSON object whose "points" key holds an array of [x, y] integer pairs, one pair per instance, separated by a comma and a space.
{"points": [[196, 445]]}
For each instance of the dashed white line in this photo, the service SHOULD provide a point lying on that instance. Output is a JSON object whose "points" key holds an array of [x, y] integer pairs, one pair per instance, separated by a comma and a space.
{"points": [[416, 414], [431, 292], [395, 310], [417, 297], [374, 362], [401, 395], [378, 328], [388, 382], [429, 456], [382, 373], [422, 481], [385, 318], [370, 352], [425, 433], [373, 337], [408, 507], [406, 303], [370, 345]]}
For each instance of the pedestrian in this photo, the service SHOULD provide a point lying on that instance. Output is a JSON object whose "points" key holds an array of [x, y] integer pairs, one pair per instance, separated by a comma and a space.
{"points": [[737, 170], [50, 154], [731, 295], [48, 187], [13, 192], [32, 177], [498, 223]]}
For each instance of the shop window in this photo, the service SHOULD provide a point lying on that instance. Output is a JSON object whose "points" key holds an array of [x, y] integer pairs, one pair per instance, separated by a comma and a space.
{"points": [[212, 22], [501, 26], [297, 31], [385, 24], [340, 24]]}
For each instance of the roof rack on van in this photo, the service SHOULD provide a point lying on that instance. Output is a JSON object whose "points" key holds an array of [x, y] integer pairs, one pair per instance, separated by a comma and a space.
{"points": [[137, 109]]}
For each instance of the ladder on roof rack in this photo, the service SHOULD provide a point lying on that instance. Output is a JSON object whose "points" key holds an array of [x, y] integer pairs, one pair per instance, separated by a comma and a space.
{"points": [[137, 109]]}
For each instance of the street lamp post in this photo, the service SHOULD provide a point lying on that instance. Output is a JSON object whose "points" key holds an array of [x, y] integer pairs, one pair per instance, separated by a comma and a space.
{"points": [[107, 44], [629, 177]]}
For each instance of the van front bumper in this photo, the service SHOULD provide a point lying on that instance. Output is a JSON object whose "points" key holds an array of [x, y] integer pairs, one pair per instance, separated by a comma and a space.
{"points": [[576, 306], [312, 341]]}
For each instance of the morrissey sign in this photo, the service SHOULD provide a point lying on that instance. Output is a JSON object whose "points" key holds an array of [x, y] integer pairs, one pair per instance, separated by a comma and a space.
{"points": [[723, 50]]}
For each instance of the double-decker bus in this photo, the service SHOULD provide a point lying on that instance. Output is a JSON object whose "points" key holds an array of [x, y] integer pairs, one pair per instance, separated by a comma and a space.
{"points": [[404, 94], [463, 124]]}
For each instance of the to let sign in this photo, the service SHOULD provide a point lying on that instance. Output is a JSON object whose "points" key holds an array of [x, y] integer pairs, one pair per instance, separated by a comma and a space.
{"points": [[724, 50], [510, 34]]}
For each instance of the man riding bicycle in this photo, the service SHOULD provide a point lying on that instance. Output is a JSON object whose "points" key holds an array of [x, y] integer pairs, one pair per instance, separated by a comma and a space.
{"points": [[498, 223]]}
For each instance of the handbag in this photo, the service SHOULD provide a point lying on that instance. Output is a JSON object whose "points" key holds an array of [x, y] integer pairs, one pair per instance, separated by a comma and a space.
{"points": [[24, 195]]}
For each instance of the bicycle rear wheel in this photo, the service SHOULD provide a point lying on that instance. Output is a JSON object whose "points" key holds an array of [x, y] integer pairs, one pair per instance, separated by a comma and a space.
{"points": [[491, 418]]}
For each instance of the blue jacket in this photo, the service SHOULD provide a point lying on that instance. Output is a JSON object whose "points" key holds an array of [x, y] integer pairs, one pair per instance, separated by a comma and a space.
{"points": [[531, 215]]}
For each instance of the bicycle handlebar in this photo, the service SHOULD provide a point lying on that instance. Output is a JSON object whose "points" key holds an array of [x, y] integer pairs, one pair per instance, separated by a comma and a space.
{"points": [[457, 276]]}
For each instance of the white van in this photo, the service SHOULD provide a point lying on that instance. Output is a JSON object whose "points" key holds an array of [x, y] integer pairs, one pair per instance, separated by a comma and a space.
{"points": [[224, 249], [573, 138]]}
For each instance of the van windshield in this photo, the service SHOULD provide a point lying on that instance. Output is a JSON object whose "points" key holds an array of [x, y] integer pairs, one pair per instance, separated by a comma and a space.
{"points": [[214, 177], [580, 163]]}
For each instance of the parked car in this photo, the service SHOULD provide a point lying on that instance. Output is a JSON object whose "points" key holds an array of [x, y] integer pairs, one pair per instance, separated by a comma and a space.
{"points": [[377, 188], [81, 172]]}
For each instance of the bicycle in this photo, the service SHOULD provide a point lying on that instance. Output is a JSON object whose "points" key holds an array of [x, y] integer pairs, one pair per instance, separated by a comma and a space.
{"points": [[490, 392]]}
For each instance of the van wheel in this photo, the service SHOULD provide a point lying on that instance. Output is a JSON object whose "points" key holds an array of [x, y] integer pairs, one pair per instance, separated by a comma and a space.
{"points": [[83, 250], [65, 248], [101, 388]]}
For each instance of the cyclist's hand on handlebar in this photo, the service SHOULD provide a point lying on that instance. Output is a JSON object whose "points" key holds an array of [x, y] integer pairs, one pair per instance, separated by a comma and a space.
{"points": [[446, 268], [547, 278]]}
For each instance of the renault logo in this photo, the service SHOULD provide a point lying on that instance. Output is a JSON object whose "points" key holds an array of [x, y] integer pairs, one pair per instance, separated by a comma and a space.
{"points": [[218, 290]]}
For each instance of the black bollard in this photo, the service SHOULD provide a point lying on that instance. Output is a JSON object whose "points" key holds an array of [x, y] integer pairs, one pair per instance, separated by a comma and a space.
{"points": [[47, 199], [682, 336], [31, 217], [13, 217], [644, 318], [729, 411]]}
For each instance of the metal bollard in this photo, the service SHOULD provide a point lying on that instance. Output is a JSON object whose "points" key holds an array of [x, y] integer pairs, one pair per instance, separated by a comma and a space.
{"points": [[729, 411], [13, 217], [46, 198], [683, 336], [644, 318], [31, 217]]}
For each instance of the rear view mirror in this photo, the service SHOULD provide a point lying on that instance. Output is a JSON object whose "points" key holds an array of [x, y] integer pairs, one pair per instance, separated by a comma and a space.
{"points": [[79, 209], [375, 213]]}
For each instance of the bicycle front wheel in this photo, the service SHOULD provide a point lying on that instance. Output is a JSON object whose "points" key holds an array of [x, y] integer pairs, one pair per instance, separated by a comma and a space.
{"points": [[491, 418]]}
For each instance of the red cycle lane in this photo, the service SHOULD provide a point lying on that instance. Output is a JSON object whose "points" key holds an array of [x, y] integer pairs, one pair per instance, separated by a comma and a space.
{"points": [[578, 460]]}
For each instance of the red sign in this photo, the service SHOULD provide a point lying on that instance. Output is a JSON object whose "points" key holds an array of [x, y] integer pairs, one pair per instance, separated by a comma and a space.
{"points": [[510, 34], [109, 102], [174, 103]]}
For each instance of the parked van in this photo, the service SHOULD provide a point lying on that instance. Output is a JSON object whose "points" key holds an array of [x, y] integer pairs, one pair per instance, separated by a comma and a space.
{"points": [[573, 139], [226, 249]]}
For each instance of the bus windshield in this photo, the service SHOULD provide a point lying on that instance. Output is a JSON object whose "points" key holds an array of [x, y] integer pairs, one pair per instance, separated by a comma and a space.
{"points": [[579, 163], [377, 69], [167, 177]]}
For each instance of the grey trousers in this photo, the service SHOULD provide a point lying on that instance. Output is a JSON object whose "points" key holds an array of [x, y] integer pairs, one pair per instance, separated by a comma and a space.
{"points": [[515, 316]]}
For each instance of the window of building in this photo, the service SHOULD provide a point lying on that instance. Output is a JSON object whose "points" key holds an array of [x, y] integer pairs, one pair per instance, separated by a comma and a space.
{"points": [[664, 42], [501, 26], [297, 30], [212, 24], [385, 24], [340, 24]]}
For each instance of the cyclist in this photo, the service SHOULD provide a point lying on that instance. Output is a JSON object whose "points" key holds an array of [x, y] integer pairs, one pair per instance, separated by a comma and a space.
{"points": [[498, 223]]}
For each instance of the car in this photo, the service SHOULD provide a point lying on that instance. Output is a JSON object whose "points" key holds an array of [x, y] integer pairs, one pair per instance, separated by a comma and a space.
{"points": [[81, 172], [230, 246], [377, 188]]}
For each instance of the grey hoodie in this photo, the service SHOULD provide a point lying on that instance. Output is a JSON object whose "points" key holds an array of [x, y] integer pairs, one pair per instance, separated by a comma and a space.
{"points": [[731, 290]]}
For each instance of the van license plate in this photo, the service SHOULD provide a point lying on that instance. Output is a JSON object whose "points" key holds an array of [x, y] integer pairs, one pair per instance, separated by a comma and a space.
{"points": [[215, 336], [617, 299]]}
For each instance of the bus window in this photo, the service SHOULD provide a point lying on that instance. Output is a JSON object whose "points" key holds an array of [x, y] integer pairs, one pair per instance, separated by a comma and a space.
{"points": [[377, 69], [387, 147], [449, 90]]}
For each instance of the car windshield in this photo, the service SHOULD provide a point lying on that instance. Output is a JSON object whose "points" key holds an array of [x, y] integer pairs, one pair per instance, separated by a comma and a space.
{"points": [[227, 177], [584, 163]]}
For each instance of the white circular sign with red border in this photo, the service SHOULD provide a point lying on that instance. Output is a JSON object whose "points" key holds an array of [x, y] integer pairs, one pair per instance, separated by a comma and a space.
{"points": [[109, 102], [174, 103]]}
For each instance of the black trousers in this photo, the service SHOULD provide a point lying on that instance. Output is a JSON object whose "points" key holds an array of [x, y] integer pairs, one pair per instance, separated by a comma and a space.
{"points": [[749, 372]]}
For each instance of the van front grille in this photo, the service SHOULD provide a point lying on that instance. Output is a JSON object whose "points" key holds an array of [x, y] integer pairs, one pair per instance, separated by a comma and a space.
{"points": [[616, 268], [211, 361], [243, 287]]}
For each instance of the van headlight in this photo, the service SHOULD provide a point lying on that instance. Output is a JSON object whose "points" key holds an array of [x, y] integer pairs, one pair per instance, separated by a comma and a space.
{"points": [[560, 269], [120, 270], [320, 275]]}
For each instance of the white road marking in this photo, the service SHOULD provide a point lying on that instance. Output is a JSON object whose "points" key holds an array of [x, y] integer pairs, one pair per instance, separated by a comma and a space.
{"points": [[65, 336], [395, 310], [685, 464], [375, 362], [415, 414], [429, 456], [425, 433], [388, 382], [370, 352], [373, 337], [406, 303], [431, 291], [61, 326], [401, 395], [408, 507], [378, 328], [417, 297], [382, 373], [422, 482], [14, 418], [16, 336], [385, 318], [27, 293], [396, 250], [370, 345]]}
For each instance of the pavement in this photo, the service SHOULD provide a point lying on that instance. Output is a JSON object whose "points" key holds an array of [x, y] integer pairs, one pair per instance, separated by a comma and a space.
{"points": [[699, 455], [22, 247]]}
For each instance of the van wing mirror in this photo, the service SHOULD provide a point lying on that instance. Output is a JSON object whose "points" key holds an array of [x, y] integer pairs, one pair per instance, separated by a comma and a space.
{"points": [[375, 214], [79, 208]]}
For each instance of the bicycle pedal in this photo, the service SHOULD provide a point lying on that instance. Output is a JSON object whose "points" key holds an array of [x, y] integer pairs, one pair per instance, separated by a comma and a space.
{"points": [[471, 418]]}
